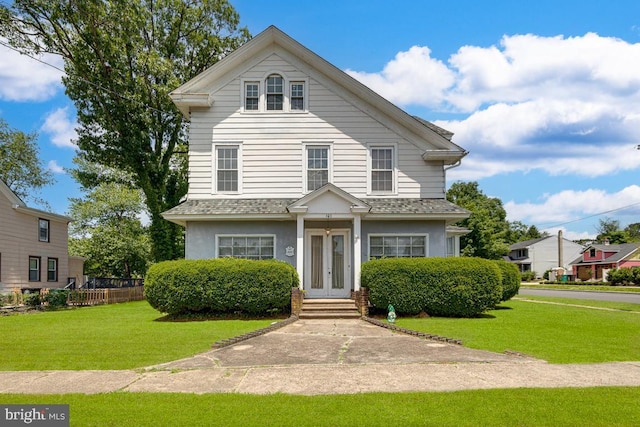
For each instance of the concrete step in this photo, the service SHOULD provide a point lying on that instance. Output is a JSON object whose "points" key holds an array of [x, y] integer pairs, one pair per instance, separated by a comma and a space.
{"points": [[329, 315], [329, 308]]}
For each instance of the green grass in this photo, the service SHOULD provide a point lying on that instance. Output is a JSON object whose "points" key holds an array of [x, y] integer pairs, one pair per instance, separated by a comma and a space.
{"points": [[582, 287], [606, 406], [584, 302], [555, 333], [118, 336]]}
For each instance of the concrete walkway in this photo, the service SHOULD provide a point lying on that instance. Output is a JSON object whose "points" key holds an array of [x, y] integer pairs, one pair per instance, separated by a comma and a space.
{"points": [[330, 356]]}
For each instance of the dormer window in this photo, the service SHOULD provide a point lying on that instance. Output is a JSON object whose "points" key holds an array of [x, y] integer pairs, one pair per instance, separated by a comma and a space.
{"points": [[275, 92]]}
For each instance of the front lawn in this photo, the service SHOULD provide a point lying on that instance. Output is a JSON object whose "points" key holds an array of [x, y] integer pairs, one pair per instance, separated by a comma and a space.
{"points": [[555, 333], [603, 406], [117, 336]]}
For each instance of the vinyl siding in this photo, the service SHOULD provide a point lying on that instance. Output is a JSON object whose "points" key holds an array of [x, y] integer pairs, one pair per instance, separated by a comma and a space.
{"points": [[273, 142], [19, 241]]}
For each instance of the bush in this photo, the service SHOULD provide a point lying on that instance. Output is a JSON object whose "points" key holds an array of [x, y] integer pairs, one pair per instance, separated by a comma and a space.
{"points": [[56, 298], [453, 287], [510, 279], [224, 285], [528, 276], [32, 300], [624, 276]]}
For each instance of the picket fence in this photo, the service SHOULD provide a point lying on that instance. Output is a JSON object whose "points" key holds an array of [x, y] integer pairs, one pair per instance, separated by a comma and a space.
{"points": [[83, 297]]}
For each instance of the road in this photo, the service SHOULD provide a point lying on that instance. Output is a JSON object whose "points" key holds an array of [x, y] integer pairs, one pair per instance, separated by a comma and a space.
{"points": [[593, 295]]}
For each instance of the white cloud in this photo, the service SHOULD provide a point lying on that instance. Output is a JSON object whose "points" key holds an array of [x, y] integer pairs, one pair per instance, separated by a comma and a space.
{"points": [[25, 79], [61, 128], [412, 77], [565, 105], [54, 167], [570, 205]]}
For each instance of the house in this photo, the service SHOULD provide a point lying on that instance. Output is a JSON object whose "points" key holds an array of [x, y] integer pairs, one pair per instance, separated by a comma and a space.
{"points": [[33, 246], [543, 254], [596, 260], [291, 158]]}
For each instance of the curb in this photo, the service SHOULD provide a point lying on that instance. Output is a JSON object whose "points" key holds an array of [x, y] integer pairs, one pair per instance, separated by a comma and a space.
{"points": [[253, 334], [411, 332]]}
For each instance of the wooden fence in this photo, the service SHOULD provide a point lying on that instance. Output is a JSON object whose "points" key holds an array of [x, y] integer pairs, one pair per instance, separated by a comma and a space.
{"points": [[105, 296]]}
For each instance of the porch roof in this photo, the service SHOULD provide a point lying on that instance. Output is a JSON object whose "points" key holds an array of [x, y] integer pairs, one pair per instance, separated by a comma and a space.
{"points": [[381, 208]]}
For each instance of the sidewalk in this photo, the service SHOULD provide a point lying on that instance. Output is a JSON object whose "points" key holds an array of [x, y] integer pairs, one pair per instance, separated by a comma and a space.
{"points": [[330, 357]]}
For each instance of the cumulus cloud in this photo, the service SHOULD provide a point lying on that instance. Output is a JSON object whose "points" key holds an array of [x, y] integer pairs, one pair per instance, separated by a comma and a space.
{"points": [[61, 128], [54, 167], [565, 105], [571, 206], [23, 79]]}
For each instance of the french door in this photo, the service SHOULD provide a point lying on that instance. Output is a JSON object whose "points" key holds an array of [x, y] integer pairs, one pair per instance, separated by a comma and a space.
{"points": [[327, 264]]}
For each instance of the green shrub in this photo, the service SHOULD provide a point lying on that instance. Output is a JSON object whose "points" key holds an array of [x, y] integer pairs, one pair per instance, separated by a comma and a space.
{"points": [[56, 298], [32, 300], [453, 287], [510, 279], [624, 276], [224, 285], [528, 276]]}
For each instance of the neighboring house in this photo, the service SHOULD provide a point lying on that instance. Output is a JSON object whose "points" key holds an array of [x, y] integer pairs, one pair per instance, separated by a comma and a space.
{"points": [[542, 254], [291, 158], [596, 260], [33, 246]]}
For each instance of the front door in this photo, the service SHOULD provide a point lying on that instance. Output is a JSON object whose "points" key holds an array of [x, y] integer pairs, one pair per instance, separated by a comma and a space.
{"points": [[327, 264]]}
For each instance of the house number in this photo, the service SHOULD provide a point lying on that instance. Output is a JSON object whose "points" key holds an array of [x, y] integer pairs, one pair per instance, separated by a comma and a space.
{"points": [[289, 251]]}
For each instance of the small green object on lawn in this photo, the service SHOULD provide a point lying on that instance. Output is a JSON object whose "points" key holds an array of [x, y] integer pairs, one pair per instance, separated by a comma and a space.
{"points": [[391, 317]]}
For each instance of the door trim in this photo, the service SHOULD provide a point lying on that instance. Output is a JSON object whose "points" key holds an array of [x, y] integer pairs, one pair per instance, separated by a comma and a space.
{"points": [[327, 291]]}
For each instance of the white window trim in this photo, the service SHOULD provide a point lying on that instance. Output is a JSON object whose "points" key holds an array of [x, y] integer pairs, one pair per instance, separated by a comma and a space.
{"points": [[214, 165], [425, 235], [262, 94], [48, 228], [305, 148], [218, 236], [243, 87], [394, 176]]}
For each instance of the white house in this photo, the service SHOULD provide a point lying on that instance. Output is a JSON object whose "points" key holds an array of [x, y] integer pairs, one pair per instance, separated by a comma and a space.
{"points": [[543, 254], [291, 158]]}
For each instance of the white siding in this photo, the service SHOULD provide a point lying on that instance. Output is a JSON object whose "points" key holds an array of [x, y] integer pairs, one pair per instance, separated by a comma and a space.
{"points": [[272, 142]]}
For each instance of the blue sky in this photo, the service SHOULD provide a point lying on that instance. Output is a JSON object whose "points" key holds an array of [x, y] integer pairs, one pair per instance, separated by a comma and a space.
{"points": [[545, 95]]}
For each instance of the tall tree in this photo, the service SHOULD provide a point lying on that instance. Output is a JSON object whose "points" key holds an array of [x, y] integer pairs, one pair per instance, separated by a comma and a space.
{"points": [[609, 230], [122, 58], [20, 166], [488, 221], [107, 230]]}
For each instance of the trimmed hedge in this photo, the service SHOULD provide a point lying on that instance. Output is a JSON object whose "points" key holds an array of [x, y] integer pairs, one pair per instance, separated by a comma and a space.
{"points": [[624, 276], [223, 285], [451, 287], [511, 278]]}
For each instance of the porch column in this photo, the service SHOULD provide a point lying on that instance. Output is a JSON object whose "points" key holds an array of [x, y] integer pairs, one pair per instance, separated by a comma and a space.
{"points": [[300, 248], [356, 252]]}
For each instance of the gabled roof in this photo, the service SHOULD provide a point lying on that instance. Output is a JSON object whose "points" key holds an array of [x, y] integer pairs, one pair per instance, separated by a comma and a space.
{"points": [[526, 243], [20, 206], [199, 91], [356, 204], [621, 252]]}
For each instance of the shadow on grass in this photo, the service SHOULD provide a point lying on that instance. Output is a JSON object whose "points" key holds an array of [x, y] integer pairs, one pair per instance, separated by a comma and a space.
{"points": [[205, 317]]}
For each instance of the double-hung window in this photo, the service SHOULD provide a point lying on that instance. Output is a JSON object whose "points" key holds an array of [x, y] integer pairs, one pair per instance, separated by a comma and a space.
{"points": [[52, 269], [317, 165], [43, 230], [34, 268], [251, 96], [227, 168], [248, 246], [275, 93], [397, 246], [382, 170], [296, 96]]}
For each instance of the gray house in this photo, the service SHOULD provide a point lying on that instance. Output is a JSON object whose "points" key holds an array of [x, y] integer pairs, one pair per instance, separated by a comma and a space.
{"points": [[291, 158], [543, 254]]}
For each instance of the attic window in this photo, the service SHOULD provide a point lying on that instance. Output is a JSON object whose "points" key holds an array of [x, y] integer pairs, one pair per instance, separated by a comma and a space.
{"points": [[251, 96], [297, 96], [275, 92]]}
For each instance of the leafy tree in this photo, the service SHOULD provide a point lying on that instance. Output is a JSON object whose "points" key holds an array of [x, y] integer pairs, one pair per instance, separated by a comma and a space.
{"points": [[633, 232], [488, 224], [107, 230], [609, 230], [519, 232], [20, 167], [121, 61]]}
